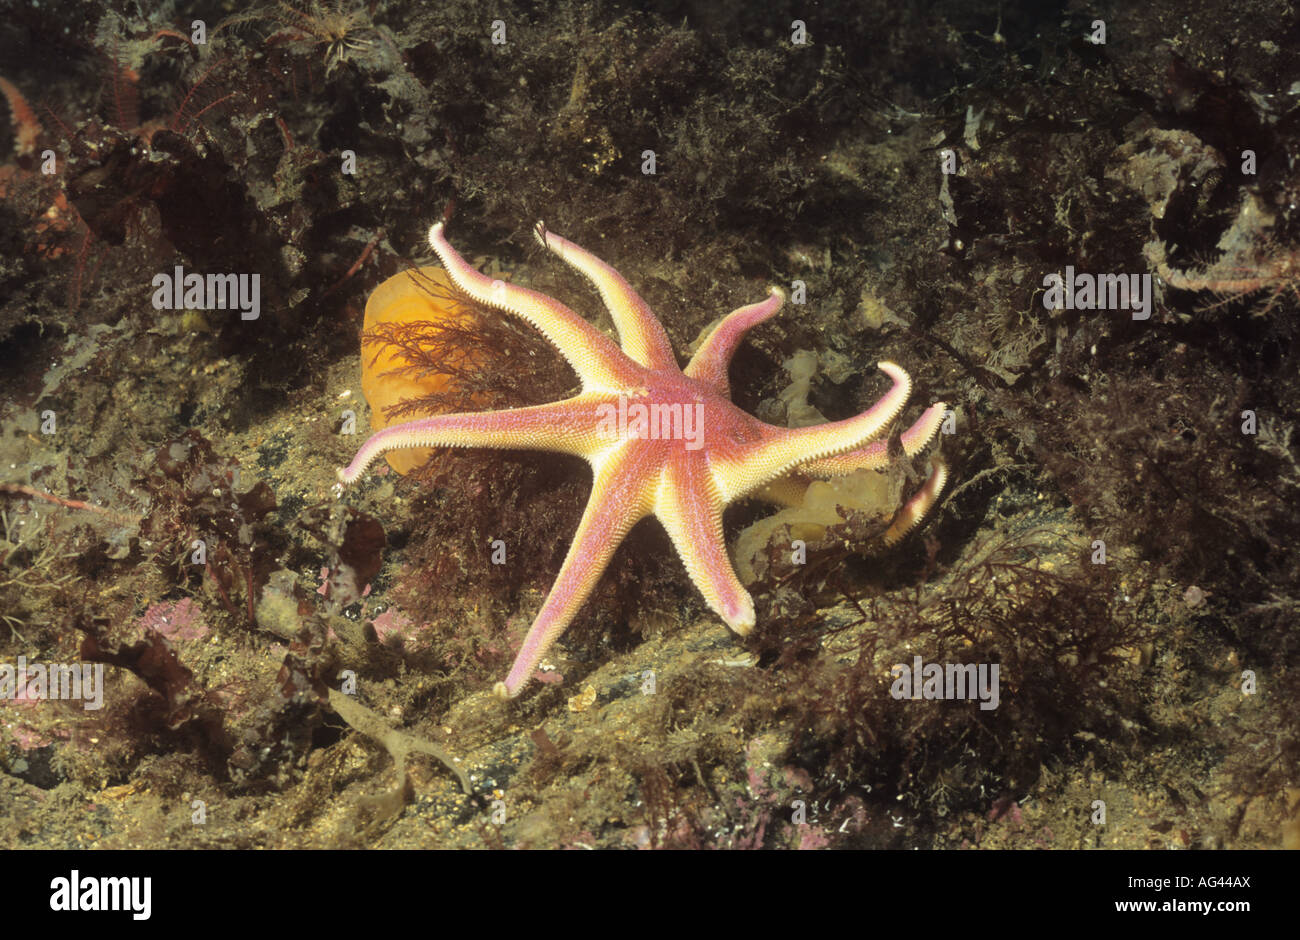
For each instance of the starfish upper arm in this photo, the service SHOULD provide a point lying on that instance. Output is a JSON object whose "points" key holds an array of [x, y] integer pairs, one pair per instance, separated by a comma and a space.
{"points": [[643, 337], [594, 356], [709, 364]]}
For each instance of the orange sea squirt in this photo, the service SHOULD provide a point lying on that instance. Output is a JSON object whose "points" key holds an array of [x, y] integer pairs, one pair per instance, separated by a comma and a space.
{"points": [[414, 305]]}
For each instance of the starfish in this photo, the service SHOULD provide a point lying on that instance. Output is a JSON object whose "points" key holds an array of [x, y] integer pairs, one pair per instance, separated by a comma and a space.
{"points": [[661, 440]]}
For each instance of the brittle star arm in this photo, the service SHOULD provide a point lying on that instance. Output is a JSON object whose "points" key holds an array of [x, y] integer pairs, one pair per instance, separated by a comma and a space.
{"points": [[596, 358], [642, 335], [709, 364], [618, 501], [571, 426]]}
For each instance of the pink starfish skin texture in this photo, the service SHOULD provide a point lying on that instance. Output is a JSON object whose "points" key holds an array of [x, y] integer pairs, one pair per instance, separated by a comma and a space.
{"points": [[661, 440]]}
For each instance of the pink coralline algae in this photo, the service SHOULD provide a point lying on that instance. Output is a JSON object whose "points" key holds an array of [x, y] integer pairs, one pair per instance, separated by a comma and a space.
{"points": [[24, 734], [180, 620], [394, 624]]}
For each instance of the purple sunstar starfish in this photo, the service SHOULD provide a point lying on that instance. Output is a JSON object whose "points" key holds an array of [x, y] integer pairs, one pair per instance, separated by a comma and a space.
{"points": [[660, 439]]}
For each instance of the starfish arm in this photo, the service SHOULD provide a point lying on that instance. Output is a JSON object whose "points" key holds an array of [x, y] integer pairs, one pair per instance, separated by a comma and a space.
{"points": [[593, 355], [876, 454], [573, 426], [619, 499], [687, 506], [709, 364], [919, 506], [711, 359], [781, 450], [642, 335], [789, 490]]}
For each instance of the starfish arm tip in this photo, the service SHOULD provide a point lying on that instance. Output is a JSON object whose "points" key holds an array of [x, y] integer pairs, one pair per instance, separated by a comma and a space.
{"points": [[742, 628], [739, 615], [918, 508], [502, 691], [360, 463], [899, 375], [353, 471]]}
